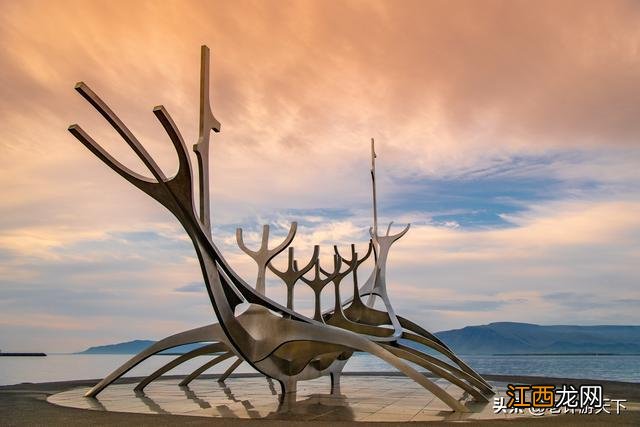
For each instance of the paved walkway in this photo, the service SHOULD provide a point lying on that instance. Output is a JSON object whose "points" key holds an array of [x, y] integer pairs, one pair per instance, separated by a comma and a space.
{"points": [[26, 404]]}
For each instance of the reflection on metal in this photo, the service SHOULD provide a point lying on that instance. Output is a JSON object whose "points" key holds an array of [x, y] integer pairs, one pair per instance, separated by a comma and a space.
{"points": [[365, 398], [272, 389], [273, 339], [150, 403], [192, 396]]}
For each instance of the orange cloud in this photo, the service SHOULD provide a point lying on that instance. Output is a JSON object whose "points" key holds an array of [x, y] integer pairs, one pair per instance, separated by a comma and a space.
{"points": [[300, 87]]}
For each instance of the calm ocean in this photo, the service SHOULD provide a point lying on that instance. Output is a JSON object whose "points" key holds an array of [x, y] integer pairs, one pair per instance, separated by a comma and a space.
{"points": [[62, 367]]}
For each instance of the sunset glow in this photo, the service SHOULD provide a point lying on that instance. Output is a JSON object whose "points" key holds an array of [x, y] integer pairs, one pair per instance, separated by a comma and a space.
{"points": [[507, 133]]}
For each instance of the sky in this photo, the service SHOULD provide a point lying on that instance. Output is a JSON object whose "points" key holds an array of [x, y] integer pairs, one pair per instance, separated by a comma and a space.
{"points": [[507, 134]]}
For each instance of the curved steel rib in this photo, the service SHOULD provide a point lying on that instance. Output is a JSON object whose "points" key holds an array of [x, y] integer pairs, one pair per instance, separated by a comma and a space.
{"points": [[207, 349], [230, 370], [195, 374], [202, 334], [436, 366]]}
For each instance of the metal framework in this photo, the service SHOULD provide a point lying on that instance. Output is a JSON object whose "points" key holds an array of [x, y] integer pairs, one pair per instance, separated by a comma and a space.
{"points": [[276, 340]]}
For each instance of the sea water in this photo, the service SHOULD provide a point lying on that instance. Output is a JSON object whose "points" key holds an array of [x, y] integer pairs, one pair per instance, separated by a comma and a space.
{"points": [[65, 367]]}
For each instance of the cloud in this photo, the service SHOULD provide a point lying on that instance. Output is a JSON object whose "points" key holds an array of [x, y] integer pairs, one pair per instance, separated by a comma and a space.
{"points": [[564, 262], [561, 262], [506, 134]]}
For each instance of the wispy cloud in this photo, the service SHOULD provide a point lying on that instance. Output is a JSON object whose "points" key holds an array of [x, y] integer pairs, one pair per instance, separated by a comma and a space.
{"points": [[191, 287]]}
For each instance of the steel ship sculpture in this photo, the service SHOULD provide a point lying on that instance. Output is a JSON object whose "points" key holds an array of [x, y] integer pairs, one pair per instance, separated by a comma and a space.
{"points": [[274, 339]]}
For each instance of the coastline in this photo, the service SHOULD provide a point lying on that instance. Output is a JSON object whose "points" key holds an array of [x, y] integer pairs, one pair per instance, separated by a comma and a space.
{"points": [[22, 354], [25, 404]]}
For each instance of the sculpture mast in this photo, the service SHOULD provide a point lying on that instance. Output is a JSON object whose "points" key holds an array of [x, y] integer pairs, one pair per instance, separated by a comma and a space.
{"points": [[373, 184], [374, 273], [207, 123]]}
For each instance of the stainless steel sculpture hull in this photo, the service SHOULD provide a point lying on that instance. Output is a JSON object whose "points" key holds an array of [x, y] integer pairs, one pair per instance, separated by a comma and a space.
{"points": [[275, 340]]}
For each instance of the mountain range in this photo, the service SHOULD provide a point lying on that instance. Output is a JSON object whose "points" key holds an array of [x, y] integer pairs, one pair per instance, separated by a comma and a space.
{"points": [[526, 338], [494, 338]]}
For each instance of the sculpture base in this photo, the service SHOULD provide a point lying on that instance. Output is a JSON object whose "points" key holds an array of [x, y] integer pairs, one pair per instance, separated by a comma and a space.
{"points": [[360, 398]]}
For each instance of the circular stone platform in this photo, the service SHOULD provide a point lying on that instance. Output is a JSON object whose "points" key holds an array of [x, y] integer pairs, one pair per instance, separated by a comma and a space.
{"points": [[361, 398]]}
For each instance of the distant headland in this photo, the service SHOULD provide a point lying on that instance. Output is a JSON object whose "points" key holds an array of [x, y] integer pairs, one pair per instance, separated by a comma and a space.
{"points": [[134, 347], [2, 353]]}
